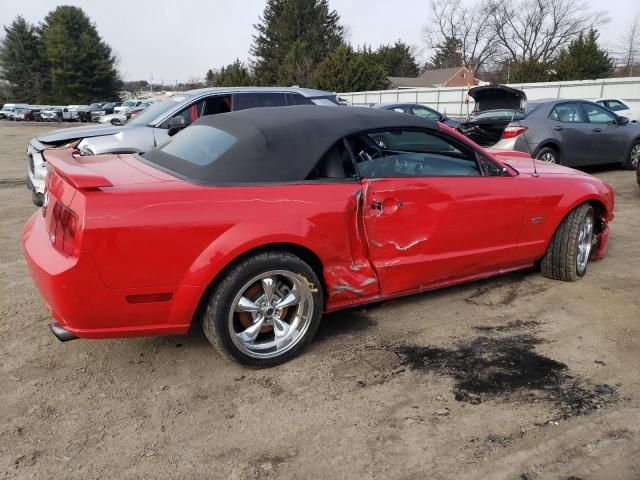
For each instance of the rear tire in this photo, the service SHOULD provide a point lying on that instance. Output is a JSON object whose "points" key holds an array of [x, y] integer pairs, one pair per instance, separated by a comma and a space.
{"points": [[243, 318], [633, 159], [570, 248], [549, 155]]}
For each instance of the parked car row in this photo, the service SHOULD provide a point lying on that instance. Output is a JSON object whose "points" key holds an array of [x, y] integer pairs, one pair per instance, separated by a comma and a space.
{"points": [[73, 113], [564, 131]]}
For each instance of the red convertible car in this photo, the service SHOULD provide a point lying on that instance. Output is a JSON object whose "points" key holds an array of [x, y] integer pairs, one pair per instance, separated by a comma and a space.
{"points": [[258, 221]]}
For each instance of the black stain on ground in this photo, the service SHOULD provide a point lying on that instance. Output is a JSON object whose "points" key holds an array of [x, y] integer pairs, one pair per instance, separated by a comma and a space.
{"points": [[508, 327], [343, 323], [507, 367]]}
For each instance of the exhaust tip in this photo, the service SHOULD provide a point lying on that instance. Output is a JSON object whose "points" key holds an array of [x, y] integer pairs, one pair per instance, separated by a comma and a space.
{"points": [[61, 333]]}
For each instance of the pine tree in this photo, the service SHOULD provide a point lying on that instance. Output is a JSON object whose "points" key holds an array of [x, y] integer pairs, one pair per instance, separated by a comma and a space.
{"points": [[236, 74], [583, 59], [210, 78], [397, 60], [285, 22], [82, 68], [531, 71], [20, 62], [296, 68], [348, 71], [448, 54]]}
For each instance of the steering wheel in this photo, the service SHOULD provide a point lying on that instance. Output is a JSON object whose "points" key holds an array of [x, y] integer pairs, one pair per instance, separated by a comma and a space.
{"points": [[369, 153]]}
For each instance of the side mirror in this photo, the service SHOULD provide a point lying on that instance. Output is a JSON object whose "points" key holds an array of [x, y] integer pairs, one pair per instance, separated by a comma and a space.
{"points": [[176, 124], [623, 120]]}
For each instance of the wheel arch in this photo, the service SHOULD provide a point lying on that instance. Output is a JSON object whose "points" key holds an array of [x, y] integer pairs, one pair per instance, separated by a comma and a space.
{"points": [[600, 210], [303, 252], [553, 143]]}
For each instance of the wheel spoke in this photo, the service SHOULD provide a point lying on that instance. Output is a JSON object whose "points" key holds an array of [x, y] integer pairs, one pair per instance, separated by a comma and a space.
{"points": [[268, 285], [246, 305], [280, 328], [292, 298], [250, 334]]}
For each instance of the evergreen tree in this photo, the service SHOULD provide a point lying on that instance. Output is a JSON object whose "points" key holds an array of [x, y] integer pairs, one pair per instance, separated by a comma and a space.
{"points": [[531, 71], [583, 59], [296, 68], [348, 71], [397, 60], [81, 65], [236, 74], [20, 63], [448, 54], [285, 22], [210, 78]]}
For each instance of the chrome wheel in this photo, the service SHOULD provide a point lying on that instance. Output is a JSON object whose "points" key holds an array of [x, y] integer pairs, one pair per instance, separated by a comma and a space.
{"points": [[548, 157], [585, 238], [271, 313], [635, 156]]}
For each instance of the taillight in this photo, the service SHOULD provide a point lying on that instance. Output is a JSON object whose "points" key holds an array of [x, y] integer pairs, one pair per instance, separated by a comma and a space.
{"points": [[62, 232], [513, 132]]}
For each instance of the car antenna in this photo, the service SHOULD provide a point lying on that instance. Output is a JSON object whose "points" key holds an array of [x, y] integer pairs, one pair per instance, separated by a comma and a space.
{"points": [[524, 135]]}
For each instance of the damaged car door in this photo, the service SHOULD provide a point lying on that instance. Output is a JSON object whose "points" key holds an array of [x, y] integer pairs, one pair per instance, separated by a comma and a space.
{"points": [[435, 210]]}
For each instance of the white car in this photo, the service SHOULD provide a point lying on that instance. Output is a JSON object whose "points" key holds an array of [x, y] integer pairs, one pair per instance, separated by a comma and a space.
{"points": [[121, 118], [72, 112], [621, 108], [128, 105], [9, 109]]}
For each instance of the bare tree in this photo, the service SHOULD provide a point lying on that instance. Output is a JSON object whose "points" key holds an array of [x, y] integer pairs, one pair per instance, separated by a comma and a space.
{"points": [[536, 30], [630, 47], [471, 26]]}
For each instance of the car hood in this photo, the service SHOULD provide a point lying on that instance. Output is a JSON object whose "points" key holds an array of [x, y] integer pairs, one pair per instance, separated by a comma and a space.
{"points": [[524, 166], [68, 134], [498, 97]]}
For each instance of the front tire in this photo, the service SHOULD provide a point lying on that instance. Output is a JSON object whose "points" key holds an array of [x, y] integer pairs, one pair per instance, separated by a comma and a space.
{"points": [[568, 253], [265, 309]]}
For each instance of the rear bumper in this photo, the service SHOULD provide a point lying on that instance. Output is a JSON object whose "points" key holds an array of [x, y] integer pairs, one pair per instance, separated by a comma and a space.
{"points": [[36, 169], [79, 301]]}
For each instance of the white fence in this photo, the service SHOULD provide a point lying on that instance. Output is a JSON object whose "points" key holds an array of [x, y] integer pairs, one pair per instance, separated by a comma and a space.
{"points": [[453, 101]]}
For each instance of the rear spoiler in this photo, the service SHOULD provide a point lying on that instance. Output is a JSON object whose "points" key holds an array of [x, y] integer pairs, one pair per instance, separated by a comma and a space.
{"points": [[67, 164]]}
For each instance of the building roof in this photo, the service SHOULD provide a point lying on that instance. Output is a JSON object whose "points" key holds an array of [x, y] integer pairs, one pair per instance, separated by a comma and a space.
{"points": [[408, 82], [440, 76], [428, 78]]}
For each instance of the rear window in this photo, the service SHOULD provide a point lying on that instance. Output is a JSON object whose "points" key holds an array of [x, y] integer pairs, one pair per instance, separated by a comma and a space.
{"points": [[262, 99], [198, 144]]}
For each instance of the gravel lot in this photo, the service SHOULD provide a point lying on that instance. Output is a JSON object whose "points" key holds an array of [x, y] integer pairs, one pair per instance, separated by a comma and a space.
{"points": [[518, 377]]}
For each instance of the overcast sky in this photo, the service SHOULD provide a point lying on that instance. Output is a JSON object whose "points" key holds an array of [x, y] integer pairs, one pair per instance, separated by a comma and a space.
{"points": [[168, 40]]}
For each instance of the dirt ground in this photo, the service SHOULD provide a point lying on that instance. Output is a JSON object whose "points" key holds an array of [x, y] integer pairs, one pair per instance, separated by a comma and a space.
{"points": [[518, 377]]}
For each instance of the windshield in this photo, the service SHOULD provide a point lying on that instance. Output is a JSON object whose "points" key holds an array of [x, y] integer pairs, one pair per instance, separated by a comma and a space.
{"points": [[129, 103], [158, 108]]}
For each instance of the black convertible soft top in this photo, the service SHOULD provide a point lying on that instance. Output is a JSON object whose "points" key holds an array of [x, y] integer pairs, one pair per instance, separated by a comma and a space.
{"points": [[278, 144]]}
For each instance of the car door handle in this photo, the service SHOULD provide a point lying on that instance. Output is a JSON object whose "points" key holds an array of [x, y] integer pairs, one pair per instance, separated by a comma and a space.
{"points": [[558, 128], [389, 205], [597, 130]]}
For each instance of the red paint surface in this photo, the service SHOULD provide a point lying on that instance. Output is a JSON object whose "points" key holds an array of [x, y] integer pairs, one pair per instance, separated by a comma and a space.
{"points": [[143, 232]]}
